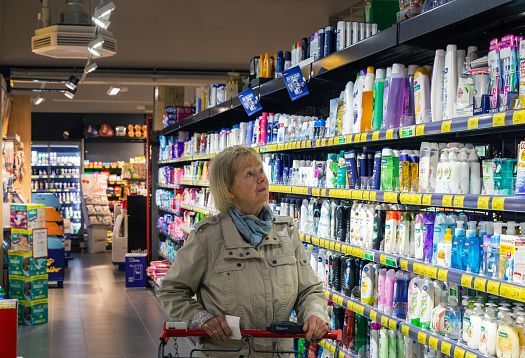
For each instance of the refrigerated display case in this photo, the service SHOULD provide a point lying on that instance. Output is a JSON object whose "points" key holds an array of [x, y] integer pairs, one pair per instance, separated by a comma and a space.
{"points": [[56, 168]]}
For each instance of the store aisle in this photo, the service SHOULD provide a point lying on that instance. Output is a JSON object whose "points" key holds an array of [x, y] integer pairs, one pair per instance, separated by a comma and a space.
{"points": [[94, 315]]}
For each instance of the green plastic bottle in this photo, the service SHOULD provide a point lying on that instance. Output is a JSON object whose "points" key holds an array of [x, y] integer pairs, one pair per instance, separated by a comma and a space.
{"points": [[379, 89], [361, 334]]}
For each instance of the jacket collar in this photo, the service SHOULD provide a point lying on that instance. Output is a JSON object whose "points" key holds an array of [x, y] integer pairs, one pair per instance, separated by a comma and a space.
{"points": [[233, 239]]}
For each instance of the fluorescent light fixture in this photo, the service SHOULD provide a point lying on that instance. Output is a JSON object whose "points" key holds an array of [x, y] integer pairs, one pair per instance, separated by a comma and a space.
{"points": [[104, 24], [113, 91], [96, 43], [70, 94], [72, 83], [95, 52], [104, 10], [90, 67], [38, 100]]}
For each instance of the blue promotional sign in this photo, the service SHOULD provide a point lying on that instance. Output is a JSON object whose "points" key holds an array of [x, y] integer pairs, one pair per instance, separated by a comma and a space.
{"points": [[250, 102], [295, 83]]}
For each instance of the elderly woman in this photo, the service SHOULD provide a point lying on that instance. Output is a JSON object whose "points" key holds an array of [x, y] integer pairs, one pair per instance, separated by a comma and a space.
{"points": [[243, 262]]}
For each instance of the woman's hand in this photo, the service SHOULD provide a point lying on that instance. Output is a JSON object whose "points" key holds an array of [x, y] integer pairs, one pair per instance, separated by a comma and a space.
{"points": [[217, 328], [315, 328]]}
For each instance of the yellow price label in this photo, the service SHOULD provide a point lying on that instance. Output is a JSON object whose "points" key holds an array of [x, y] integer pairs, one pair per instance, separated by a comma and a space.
{"points": [[315, 241], [348, 139], [459, 352], [375, 136], [431, 271], [316, 191], [331, 141], [338, 247], [480, 284], [403, 264], [366, 195], [390, 197], [382, 259], [509, 291], [483, 203], [498, 203], [357, 138], [459, 201], [373, 315], [447, 200], [317, 142], [364, 137], [470, 355], [493, 287], [518, 117], [445, 126], [359, 309], [473, 123], [332, 245], [422, 337], [419, 269], [384, 321], [405, 330], [446, 348], [359, 252], [433, 342], [427, 200], [466, 280], [420, 129], [392, 324], [442, 275], [373, 196], [498, 119], [390, 133]]}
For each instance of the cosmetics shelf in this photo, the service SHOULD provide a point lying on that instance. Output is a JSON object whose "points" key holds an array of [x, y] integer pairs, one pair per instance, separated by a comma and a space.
{"points": [[332, 348], [474, 281], [168, 186], [199, 209], [474, 202], [55, 165], [167, 210], [439, 343], [71, 190]]}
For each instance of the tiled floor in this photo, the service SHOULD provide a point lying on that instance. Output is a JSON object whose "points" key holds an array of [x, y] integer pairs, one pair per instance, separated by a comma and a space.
{"points": [[94, 315]]}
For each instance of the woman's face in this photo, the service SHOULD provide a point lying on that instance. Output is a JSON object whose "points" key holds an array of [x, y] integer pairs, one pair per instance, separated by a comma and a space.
{"points": [[250, 186]]}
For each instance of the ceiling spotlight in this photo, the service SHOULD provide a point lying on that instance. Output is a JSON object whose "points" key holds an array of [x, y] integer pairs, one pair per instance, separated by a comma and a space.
{"points": [[70, 94], [72, 83], [113, 91], [91, 67], [38, 100], [104, 10], [95, 45], [102, 23]]}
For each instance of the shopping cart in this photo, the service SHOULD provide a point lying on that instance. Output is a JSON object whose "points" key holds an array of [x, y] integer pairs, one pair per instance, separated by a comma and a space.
{"points": [[276, 330]]}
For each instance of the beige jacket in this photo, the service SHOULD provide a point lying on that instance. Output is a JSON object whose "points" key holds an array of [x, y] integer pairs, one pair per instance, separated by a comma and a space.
{"points": [[231, 277]]}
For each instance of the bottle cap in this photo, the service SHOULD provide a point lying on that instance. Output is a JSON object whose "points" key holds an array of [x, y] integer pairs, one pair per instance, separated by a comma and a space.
{"points": [[388, 72], [412, 69], [451, 48], [440, 52], [398, 68], [380, 73], [448, 235], [511, 228]]}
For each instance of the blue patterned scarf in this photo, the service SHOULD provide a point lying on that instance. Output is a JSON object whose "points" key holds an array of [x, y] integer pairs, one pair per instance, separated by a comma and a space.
{"points": [[251, 227]]}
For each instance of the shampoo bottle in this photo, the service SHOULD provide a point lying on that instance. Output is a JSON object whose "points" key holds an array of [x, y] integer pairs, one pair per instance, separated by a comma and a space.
{"points": [[368, 289], [438, 315], [414, 301], [385, 95], [358, 101], [389, 291], [457, 246], [436, 90], [348, 118], [452, 319], [379, 89], [507, 341], [445, 250], [440, 225], [419, 236], [475, 172], [395, 97], [471, 248], [427, 303], [375, 327], [475, 331], [488, 333], [450, 81], [381, 282], [368, 100], [422, 95], [400, 302]]}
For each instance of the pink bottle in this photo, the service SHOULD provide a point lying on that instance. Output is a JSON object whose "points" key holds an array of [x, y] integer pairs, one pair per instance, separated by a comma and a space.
{"points": [[389, 291], [263, 127], [381, 290]]}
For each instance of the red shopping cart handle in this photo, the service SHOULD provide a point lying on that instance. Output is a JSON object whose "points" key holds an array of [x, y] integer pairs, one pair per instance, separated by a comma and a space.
{"points": [[167, 333]]}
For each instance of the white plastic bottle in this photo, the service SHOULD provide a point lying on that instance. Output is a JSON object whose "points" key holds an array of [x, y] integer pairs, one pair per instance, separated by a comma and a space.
{"points": [[464, 179], [436, 90], [442, 170], [488, 336], [462, 56], [475, 172], [358, 103], [348, 117], [422, 95], [450, 80], [475, 327], [455, 171], [375, 328]]}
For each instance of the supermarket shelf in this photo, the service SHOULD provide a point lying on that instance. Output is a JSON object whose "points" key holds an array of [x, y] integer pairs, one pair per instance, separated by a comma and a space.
{"points": [[102, 167], [331, 347], [65, 176], [39, 176], [115, 139], [56, 165], [168, 186], [474, 202], [116, 182], [69, 203], [474, 281], [199, 209], [439, 343], [167, 210], [56, 191]]}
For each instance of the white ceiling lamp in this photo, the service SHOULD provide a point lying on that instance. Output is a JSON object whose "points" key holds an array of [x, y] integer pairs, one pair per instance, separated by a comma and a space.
{"points": [[95, 46], [72, 83], [102, 11], [113, 91], [91, 67], [102, 23], [38, 100]]}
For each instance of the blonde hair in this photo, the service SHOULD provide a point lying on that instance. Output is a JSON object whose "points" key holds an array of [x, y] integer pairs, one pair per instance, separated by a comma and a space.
{"points": [[223, 169]]}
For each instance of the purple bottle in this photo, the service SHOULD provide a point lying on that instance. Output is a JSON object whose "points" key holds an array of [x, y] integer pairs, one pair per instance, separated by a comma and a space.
{"points": [[428, 234], [396, 95]]}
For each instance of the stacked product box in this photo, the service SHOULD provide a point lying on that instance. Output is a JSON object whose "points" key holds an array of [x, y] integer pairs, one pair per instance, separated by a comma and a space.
{"points": [[28, 279]]}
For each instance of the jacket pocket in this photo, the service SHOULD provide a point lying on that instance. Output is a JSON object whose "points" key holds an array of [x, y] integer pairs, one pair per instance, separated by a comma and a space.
{"points": [[229, 276]]}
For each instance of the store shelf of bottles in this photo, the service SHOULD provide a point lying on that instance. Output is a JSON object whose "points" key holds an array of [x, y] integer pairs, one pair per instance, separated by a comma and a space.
{"points": [[474, 202], [437, 342], [168, 186], [116, 182], [198, 209], [332, 348], [470, 280], [65, 190], [167, 210]]}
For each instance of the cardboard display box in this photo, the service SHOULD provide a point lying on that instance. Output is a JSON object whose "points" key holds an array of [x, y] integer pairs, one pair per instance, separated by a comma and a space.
{"points": [[31, 313], [28, 288], [27, 216], [22, 263]]}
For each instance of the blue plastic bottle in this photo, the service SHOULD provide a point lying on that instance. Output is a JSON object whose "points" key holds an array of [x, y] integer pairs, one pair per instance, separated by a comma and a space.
{"points": [[457, 246], [493, 260], [470, 250]]}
